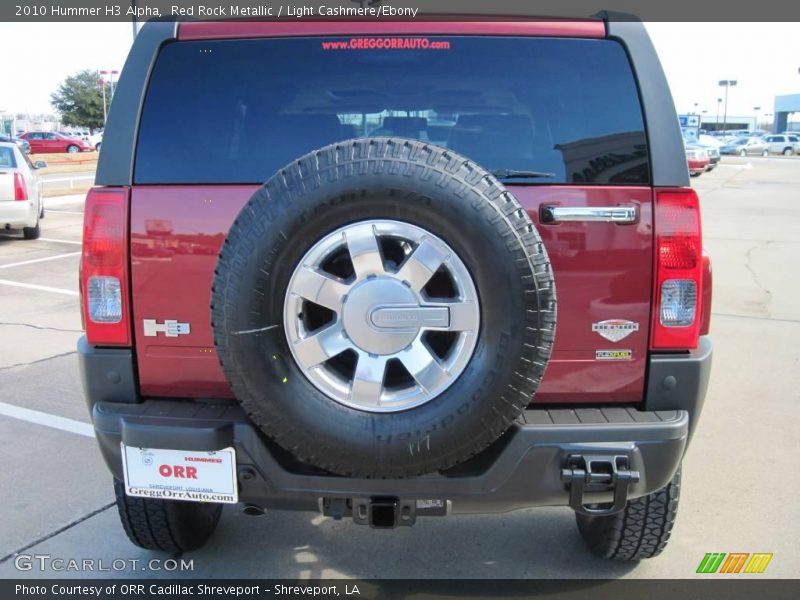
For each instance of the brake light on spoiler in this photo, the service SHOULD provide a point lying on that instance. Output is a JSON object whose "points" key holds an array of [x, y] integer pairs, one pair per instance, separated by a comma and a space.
{"points": [[678, 291], [104, 268]]}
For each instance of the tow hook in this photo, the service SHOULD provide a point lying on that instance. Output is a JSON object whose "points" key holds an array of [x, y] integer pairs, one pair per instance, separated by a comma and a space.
{"points": [[597, 473]]}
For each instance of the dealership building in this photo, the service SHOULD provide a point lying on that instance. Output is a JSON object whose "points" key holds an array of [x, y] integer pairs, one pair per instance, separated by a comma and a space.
{"points": [[784, 106]]}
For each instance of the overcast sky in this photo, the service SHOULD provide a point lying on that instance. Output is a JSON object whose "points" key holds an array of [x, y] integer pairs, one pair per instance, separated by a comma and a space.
{"points": [[763, 57]]}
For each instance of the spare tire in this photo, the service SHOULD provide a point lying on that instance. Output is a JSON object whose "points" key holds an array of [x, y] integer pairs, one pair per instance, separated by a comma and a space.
{"points": [[383, 308]]}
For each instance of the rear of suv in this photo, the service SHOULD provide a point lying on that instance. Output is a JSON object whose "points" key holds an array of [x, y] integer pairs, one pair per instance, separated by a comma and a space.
{"points": [[392, 270]]}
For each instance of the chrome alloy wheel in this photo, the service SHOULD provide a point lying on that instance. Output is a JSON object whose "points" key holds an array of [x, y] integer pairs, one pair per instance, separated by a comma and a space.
{"points": [[381, 315]]}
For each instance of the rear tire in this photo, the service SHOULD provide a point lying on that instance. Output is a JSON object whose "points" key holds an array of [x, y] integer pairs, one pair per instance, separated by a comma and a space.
{"points": [[642, 530], [166, 525], [788, 151], [72, 149], [32, 233], [742, 153], [765, 153]]}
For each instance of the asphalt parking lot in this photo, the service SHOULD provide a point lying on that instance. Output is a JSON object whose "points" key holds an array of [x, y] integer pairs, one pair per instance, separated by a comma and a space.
{"points": [[739, 493]]}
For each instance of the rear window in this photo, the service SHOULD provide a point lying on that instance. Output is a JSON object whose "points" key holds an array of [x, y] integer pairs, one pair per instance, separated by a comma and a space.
{"points": [[7, 159], [235, 111]]}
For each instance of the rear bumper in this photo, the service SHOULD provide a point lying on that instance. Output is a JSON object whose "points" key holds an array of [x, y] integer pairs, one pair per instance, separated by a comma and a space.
{"points": [[15, 215], [523, 469]]}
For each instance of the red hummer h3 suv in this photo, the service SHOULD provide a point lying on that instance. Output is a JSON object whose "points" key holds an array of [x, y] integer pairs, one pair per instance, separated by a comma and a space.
{"points": [[320, 270]]}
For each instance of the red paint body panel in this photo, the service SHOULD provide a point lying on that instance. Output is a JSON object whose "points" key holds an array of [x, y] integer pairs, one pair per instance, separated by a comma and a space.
{"points": [[602, 271], [204, 30]]}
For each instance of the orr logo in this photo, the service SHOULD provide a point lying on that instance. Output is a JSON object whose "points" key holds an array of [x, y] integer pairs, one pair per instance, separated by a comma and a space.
{"points": [[734, 562], [178, 471]]}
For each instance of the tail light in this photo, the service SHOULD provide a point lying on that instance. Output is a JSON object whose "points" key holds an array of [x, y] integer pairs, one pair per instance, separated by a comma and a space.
{"points": [[20, 189], [679, 271], [104, 268]]}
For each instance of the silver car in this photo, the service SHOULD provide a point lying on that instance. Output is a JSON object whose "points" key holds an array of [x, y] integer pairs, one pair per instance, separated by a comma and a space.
{"points": [[746, 147], [783, 144]]}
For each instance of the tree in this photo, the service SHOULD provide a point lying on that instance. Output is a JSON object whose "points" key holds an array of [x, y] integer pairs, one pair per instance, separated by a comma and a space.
{"points": [[79, 100]]}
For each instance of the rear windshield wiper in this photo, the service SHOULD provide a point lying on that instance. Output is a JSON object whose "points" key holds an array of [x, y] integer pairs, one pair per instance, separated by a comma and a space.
{"points": [[511, 174]]}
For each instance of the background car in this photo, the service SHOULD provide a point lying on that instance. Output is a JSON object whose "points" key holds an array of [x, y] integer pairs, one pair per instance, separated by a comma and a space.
{"points": [[96, 140], [746, 147], [783, 144], [24, 145], [711, 146], [697, 159], [47, 141], [20, 198]]}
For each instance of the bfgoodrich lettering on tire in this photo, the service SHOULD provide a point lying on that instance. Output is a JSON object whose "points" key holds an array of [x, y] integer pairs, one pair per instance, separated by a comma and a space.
{"points": [[383, 308]]}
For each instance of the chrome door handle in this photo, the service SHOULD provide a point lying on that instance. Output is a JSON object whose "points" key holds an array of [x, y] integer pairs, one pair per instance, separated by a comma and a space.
{"points": [[590, 214]]}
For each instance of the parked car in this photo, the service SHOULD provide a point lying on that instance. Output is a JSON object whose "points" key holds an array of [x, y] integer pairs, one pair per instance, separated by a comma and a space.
{"points": [[375, 314], [47, 142], [710, 140], [96, 140], [78, 135], [782, 144], [24, 145], [711, 146], [20, 199], [746, 147], [697, 159]]}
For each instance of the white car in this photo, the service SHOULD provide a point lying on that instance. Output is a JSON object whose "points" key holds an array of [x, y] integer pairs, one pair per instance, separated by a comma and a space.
{"points": [[96, 139], [783, 144], [21, 204]]}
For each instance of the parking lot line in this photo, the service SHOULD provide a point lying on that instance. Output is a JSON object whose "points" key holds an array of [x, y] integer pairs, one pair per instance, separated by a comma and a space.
{"points": [[38, 260], [41, 288], [61, 241], [46, 419]]}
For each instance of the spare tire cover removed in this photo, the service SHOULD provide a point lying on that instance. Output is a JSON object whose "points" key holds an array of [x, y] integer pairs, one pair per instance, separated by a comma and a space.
{"points": [[383, 308]]}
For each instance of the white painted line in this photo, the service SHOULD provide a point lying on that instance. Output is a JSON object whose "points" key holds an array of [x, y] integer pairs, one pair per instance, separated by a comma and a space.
{"points": [[65, 212], [63, 200], [38, 260], [69, 179], [62, 241], [41, 288], [744, 166], [46, 419]]}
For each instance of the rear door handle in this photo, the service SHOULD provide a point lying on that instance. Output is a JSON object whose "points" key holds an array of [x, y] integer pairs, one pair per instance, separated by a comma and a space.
{"points": [[588, 214]]}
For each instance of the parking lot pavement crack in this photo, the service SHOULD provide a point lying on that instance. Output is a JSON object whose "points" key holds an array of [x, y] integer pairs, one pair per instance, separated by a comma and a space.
{"points": [[58, 531], [40, 327], [748, 258], [36, 362]]}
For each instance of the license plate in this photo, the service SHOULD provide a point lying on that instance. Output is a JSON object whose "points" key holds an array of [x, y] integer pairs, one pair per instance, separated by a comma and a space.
{"points": [[180, 474]]}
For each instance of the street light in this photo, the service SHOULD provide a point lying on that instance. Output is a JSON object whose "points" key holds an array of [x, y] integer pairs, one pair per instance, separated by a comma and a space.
{"points": [[726, 83], [102, 83]]}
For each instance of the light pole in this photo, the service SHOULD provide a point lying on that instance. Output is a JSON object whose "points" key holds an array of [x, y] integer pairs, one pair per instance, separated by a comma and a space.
{"points": [[716, 125], [113, 83], [102, 83], [756, 109], [695, 108], [726, 83]]}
